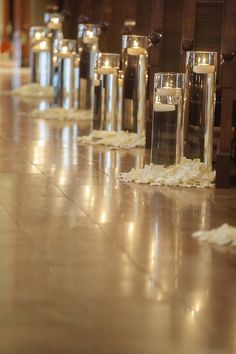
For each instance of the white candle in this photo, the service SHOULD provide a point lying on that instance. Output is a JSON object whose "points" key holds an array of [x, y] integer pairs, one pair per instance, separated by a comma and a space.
{"points": [[96, 82], [106, 70], [136, 51], [41, 47], [120, 82], [204, 69], [168, 91], [163, 107], [54, 25]]}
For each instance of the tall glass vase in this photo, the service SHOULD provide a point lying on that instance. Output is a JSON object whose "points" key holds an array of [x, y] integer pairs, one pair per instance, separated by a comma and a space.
{"points": [[88, 49], [134, 66], [200, 105], [167, 122], [40, 55], [64, 90], [106, 91]]}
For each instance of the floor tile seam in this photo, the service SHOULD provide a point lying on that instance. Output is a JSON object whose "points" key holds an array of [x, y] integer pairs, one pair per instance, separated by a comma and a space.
{"points": [[111, 240], [16, 223]]}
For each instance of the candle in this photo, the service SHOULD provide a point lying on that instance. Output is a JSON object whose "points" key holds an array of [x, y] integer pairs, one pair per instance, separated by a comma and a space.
{"points": [[41, 47], [89, 38], [204, 69], [106, 70], [163, 107], [168, 91], [136, 50], [96, 82]]}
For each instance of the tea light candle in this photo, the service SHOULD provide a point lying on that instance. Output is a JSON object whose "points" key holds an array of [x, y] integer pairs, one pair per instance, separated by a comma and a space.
{"points": [[41, 47], [106, 69], [163, 107], [136, 50], [204, 69], [168, 91], [96, 82], [89, 38], [64, 53]]}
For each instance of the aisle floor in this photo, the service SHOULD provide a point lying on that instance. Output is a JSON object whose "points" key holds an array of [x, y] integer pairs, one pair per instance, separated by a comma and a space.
{"points": [[90, 265]]}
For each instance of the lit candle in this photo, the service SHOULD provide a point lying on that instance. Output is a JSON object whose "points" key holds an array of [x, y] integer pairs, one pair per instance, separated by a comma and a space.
{"points": [[41, 47], [168, 91], [54, 23], [89, 38], [106, 69], [64, 52], [163, 107], [203, 68], [136, 50]]}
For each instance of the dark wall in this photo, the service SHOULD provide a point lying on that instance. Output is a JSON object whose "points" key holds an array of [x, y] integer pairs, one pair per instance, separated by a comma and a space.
{"points": [[208, 24]]}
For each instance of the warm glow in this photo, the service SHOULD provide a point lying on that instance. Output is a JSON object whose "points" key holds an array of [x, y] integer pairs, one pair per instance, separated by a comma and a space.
{"points": [[64, 49], [135, 44], [55, 20], [89, 34], [37, 35], [43, 45], [107, 62]]}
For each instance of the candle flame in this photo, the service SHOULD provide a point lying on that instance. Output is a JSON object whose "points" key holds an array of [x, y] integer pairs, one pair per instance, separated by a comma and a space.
{"points": [[55, 20], [106, 62], [135, 44], [89, 34], [43, 45], [64, 49]]}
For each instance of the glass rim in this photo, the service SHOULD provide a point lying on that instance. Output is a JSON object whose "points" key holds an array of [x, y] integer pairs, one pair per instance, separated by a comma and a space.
{"points": [[134, 35], [38, 28], [201, 52], [169, 73], [105, 53]]}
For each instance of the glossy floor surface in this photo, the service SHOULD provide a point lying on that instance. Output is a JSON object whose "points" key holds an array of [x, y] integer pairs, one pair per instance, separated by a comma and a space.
{"points": [[90, 265]]}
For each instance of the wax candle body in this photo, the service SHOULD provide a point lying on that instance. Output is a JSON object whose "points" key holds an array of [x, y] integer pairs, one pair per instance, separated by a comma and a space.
{"points": [[163, 107], [168, 91], [204, 69], [136, 51], [106, 70]]}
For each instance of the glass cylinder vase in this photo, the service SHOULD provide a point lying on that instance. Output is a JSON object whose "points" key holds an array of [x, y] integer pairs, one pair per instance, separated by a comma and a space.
{"points": [[54, 22], [40, 55], [105, 91], [64, 90], [134, 66], [167, 122], [200, 105], [88, 49]]}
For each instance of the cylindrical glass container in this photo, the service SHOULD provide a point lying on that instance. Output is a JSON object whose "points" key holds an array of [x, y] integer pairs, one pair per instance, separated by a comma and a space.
{"points": [[200, 105], [88, 49], [167, 122], [54, 23], [40, 55], [134, 65], [64, 91], [105, 91], [120, 99]]}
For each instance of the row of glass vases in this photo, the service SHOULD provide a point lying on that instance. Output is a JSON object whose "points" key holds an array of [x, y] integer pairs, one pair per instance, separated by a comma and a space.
{"points": [[183, 104]]}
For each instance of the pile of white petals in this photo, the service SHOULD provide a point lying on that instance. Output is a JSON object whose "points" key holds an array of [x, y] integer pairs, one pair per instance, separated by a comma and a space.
{"points": [[34, 90], [223, 235], [54, 113], [121, 139], [188, 173]]}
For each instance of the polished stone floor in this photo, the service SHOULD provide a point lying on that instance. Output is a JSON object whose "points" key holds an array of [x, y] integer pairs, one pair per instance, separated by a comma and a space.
{"points": [[90, 265]]}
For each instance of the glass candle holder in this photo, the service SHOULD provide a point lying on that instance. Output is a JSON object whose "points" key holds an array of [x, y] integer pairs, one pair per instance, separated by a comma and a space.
{"points": [[134, 66], [105, 91], [54, 22], [40, 55], [167, 123], [64, 90], [200, 105], [88, 49]]}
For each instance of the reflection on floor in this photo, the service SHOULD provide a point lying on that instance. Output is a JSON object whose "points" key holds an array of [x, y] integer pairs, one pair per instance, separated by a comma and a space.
{"points": [[91, 265]]}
